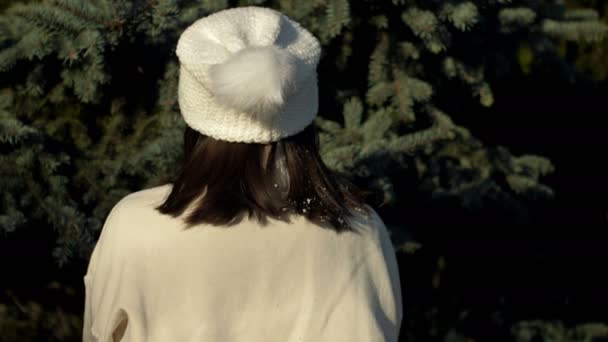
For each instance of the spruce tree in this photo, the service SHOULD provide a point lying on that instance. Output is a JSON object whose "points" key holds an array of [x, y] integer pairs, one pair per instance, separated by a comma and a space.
{"points": [[89, 113]]}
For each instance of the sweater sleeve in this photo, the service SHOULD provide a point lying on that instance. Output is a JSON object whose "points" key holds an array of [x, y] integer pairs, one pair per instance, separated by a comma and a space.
{"points": [[105, 255], [370, 309], [87, 335]]}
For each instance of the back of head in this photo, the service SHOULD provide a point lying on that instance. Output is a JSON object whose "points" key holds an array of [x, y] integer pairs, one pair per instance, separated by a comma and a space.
{"points": [[248, 93]]}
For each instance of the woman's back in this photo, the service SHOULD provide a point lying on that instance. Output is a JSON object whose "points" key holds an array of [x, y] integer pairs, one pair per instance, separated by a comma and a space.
{"points": [[248, 282]]}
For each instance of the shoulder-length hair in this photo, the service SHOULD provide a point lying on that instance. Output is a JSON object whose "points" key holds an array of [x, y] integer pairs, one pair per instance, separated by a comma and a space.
{"points": [[227, 179]]}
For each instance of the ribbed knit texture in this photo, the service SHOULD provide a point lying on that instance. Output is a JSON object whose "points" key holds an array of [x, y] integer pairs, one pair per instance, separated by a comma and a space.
{"points": [[214, 40]]}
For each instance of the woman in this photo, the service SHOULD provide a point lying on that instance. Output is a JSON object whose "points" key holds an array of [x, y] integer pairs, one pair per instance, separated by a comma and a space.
{"points": [[255, 239]]}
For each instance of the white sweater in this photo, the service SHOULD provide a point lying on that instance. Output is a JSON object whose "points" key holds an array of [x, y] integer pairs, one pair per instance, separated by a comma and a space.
{"points": [[245, 283]]}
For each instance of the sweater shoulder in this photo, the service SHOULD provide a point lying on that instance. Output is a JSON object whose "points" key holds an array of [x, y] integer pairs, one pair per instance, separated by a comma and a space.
{"points": [[372, 226], [135, 211], [141, 204], [145, 198]]}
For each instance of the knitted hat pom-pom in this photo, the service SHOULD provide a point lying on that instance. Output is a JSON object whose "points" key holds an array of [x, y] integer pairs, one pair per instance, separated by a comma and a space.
{"points": [[256, 79]]}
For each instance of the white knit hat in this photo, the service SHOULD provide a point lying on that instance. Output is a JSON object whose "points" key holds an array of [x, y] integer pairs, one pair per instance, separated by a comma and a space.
{"points": [[248, 74]]}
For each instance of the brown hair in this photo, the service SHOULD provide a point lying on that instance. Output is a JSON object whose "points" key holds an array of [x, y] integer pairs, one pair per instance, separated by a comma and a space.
{"points": [[230, 178]]}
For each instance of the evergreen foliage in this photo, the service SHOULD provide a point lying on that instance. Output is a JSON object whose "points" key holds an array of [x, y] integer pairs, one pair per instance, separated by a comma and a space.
{"points": [[89, 112], [590, 57]]}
